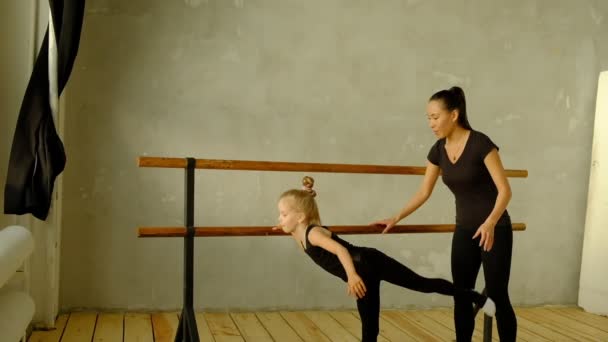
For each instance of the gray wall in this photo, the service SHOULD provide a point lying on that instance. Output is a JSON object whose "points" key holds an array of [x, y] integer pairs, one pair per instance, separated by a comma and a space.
{"points": [[15, 66], [316, 81]]}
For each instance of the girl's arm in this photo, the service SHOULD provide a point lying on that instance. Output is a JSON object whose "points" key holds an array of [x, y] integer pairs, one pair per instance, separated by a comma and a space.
{"points": [[355, 283]]}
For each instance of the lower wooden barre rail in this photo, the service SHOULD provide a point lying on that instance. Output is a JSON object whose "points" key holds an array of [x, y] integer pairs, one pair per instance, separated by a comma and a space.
{"points": [[147, 232]]}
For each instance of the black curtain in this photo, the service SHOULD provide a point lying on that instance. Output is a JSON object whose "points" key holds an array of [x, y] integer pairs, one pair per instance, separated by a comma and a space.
{"points": [[37, 154]]}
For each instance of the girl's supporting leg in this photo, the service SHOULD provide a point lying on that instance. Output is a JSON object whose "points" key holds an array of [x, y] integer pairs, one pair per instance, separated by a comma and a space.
{"points": [[369, 310]]}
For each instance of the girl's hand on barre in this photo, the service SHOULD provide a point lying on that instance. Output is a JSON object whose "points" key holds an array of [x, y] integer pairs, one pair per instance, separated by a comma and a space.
{"points": [[278, 228]]}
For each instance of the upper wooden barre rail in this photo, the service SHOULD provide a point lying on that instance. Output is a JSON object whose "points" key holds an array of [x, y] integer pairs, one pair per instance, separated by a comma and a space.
{"points": [[267, 230], [248, 165]]}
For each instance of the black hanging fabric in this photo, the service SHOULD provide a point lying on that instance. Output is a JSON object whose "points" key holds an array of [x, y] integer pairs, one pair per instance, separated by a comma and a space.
{"points": [[37, 154]]}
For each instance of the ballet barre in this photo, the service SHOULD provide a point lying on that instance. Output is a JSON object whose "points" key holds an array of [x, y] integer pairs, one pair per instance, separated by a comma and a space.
{"points": [[187, 330]]}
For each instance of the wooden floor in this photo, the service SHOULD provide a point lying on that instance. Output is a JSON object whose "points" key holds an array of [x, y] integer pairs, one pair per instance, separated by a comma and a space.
{"points": [[535, 324]]}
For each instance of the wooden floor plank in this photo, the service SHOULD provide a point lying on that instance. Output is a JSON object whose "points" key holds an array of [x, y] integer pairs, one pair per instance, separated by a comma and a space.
{"points": [[223, 328], [395, 327], [524, 334], [534, 324], [138, 327], [444, 319], [109, 327], [53, 335], [572, 324], [80, 327], [540, 316], [250, 327], [330, 327], [578, 314], [304, 327], [164, 326], [278, 328], [351, 323], [430, 325], [541, 330], [204, 333]]}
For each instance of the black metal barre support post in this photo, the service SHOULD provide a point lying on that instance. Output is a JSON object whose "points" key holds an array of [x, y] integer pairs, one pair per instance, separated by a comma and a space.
{"points": [[487, 328], [187, 330]]}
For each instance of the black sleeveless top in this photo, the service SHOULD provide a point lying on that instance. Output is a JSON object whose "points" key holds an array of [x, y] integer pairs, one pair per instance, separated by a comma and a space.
{"points": [[469, 180], [327, 260]]}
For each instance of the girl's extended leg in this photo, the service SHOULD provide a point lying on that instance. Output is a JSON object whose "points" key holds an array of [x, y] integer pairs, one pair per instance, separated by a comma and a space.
{"points": [[394, 272]]}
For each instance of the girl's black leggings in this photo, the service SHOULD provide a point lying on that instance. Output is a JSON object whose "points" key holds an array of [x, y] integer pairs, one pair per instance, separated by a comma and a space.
{"points": [[375, 266], [467, 257]]}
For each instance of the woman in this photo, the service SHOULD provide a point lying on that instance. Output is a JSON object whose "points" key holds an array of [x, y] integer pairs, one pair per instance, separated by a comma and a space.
{"points": [[472, 170]]}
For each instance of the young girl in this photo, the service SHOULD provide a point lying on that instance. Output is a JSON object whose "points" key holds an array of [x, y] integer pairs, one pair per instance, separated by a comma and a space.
{"points": [[361, 267]]}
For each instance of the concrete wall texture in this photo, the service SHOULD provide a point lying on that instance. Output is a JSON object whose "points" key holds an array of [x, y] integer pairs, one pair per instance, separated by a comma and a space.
{"points": [[316, 81], [16, 36]]}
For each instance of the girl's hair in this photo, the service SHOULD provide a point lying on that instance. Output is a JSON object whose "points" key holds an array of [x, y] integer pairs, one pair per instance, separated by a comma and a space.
{"points": [[304, 200], [453, 98]]}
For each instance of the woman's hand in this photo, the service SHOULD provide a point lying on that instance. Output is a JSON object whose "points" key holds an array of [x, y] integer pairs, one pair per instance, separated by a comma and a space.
{"points": [[388, 223], [486, 231], [356, 288]]}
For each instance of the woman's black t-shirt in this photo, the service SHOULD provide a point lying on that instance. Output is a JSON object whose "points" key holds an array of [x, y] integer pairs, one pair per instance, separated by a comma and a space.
{"points": [[469, 179]]}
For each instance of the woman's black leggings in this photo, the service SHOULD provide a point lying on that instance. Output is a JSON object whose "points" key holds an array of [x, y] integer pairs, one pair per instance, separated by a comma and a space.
{"points": [[374, 267], [467, 257]]}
